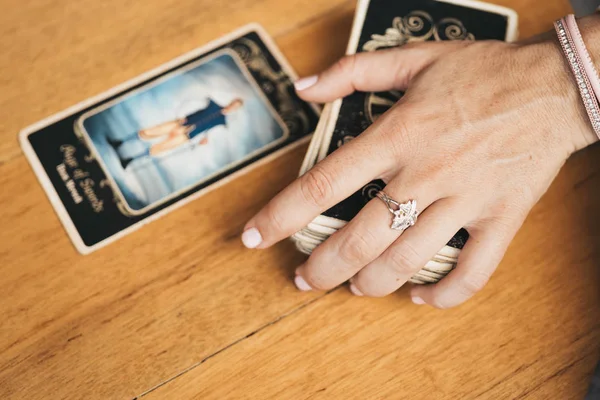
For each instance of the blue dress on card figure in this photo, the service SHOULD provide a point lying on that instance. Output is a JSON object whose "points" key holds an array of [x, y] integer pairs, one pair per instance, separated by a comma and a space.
{"points": [[178, 132], [204, 120]]}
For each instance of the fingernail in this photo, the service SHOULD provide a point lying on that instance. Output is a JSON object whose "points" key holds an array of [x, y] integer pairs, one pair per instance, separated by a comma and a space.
{"points": [[251, 238], [301, 284], [355, 290], [417, 300], [305, 83]]}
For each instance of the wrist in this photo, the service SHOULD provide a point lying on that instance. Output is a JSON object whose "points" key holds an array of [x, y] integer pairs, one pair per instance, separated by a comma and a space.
{"points": [[558, 91]]}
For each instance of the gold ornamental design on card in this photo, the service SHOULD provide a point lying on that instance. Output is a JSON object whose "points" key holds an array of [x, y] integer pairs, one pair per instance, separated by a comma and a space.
{"points": [[273, 81], [417, 26]]}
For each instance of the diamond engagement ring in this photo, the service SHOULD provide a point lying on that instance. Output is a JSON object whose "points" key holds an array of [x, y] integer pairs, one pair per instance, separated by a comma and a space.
{"points": [[405, 214]]}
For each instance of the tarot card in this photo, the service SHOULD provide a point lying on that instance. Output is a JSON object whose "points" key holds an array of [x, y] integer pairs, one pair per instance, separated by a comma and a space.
{"points": [[180, 130], [132, 154], [381, 24]]}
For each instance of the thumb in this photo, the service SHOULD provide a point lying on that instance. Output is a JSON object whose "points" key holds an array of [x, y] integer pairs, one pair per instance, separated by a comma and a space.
{"points": [[370, 72]]}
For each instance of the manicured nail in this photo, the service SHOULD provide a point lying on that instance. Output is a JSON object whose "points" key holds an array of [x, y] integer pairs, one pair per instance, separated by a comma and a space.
{"points": [[355, 290], [301, 284], [251, 238], [417, 300], [305, 83]]}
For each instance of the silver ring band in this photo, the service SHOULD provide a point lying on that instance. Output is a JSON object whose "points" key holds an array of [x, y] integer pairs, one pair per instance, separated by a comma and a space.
{"points": [[404, 214]]}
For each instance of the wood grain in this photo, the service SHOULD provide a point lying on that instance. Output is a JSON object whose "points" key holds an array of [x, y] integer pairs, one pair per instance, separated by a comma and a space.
{"points": [[59, 308], [532, 333], [180, 310]]}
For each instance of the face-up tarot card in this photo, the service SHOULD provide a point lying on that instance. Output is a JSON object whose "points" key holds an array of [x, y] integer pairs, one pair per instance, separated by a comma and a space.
{"points": [[128, 156]]}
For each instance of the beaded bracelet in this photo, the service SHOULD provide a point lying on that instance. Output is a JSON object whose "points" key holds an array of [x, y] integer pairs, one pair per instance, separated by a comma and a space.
{"points": [[581, 66]]}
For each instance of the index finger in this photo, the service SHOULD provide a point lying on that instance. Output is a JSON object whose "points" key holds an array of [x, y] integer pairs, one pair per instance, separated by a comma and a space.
{"points": [[326, 184]]}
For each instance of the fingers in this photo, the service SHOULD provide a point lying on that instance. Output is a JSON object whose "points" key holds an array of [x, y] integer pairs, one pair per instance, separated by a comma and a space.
{"points": [[370, 72], [361, 241], [407, 255], [476, 264], [354, 164], [332, 180]]}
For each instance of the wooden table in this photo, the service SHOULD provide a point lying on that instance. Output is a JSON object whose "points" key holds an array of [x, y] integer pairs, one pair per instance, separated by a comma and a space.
{"points": [[180, 309]]}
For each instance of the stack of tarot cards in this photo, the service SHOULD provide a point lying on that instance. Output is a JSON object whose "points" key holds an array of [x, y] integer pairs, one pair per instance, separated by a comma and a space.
{"points": [[382, 24], [130, 155]]}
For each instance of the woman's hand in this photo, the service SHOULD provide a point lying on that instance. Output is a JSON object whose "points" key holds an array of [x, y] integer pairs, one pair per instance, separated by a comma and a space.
{"points": [[481, 133]]}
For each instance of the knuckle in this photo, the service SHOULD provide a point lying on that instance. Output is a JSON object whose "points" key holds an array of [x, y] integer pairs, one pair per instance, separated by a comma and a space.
{"points": [[349, 67], [472, 283], [346, 64], [274, 220], [404, 259], [356, 247], [316, 187], [399, 137], [316, 277], [316, 281], [393, 144], [504, 227]]}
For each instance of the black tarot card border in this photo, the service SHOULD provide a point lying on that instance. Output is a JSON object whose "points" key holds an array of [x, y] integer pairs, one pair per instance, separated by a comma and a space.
{"points": [[79, 190]]}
